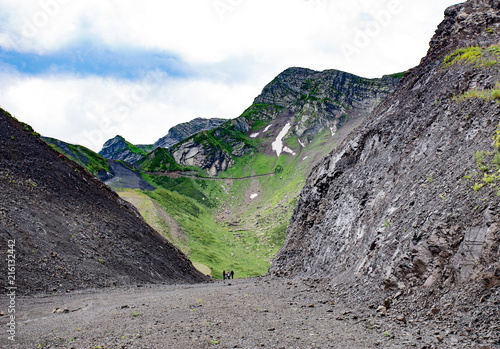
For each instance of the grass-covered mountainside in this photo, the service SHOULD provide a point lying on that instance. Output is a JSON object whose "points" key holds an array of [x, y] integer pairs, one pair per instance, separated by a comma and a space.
{"points": [[225, 195]]}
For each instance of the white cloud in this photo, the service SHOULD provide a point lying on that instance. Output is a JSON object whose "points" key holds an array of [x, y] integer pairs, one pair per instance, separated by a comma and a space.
{"points": [[89, 111], [234, 49]]}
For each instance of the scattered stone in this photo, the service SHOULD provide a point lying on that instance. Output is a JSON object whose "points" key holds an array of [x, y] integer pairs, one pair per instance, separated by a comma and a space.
{"points": [[401, 318], [388, 302], [434, 311], [381, 309]]}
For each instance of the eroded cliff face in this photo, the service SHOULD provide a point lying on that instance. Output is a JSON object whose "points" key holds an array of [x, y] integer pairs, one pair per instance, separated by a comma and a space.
{"points": [[395, 205]]}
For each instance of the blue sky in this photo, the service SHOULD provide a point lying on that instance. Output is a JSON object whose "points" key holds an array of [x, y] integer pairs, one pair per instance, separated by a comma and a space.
{"points": [[86, 71], [85, 59]]}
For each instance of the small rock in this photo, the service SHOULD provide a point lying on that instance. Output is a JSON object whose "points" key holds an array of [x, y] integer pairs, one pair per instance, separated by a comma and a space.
{"points": [[124, 306], [388, 302], [439, 338], [271, 329], [1, 313], [311, 306], [401, 318], [381, 309], [434, 311]]}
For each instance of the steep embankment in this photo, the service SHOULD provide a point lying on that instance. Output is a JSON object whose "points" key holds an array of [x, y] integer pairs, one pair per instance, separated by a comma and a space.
{"points": [[70, 230], [412, 198]]}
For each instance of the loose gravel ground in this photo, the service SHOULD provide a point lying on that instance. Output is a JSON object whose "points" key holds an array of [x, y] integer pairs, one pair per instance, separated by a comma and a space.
{"points": [[246, 313]]}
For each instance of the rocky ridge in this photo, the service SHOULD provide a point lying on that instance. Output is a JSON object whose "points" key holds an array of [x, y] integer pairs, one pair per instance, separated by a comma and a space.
{"points": [[408, 205]]}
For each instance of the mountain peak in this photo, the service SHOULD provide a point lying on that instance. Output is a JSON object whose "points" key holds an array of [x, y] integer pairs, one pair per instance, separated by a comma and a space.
{"points": [[185, 130]]}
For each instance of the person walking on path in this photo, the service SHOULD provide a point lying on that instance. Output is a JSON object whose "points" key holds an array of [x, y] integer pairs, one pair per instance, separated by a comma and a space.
{"points": [[232, 274], [224, 274]]}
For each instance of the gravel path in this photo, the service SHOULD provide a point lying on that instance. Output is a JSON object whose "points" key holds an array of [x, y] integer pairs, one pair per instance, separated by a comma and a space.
{"points": [[246, 313]]}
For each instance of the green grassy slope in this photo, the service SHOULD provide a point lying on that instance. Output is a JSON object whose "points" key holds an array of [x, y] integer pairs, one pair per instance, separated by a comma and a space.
{"points": [[79, 154], [223, 224]]}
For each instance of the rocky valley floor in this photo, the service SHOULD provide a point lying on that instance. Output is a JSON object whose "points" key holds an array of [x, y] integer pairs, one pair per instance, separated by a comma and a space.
{"points": [[246, 313]]}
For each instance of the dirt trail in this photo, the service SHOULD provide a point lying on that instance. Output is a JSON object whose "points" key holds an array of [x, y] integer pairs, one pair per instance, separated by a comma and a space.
{"points": [[246, 313]]}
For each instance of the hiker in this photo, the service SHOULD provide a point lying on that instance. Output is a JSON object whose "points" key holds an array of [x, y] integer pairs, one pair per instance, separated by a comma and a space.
{"points": [[232, 274], [224, 274]]}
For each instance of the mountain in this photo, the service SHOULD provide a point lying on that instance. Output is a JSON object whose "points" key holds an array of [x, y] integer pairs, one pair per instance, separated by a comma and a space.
{"points": [[410, 201], [119, 149], [224, 196], [299, 103], [182, 131], [227, 194], [69, 231]]}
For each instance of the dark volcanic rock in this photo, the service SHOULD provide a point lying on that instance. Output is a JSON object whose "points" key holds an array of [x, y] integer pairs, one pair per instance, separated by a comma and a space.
{"points": [[70, 230], [185, 130], [394, 206]]}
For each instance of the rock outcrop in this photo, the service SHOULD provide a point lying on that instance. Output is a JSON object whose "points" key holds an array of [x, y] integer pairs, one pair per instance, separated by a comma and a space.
{"points": [[411, 198], [185, 130], [70, 231], [119, 149]]}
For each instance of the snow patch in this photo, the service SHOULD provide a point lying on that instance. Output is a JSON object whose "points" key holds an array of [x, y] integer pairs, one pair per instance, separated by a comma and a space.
{"points": [[267, 128], [253, 196], [254, 135], [277, 145], [305, 158], [302, 144], [332, 129], [289, 151]]}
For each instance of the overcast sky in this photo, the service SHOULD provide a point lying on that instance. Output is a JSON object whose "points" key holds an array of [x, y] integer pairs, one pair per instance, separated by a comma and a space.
{"points": [[84, 71]]}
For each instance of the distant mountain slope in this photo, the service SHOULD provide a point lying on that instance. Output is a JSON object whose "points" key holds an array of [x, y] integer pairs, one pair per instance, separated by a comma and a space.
{"points": [[299, 102], [256, 166], [70, 230], [411, 201]]}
